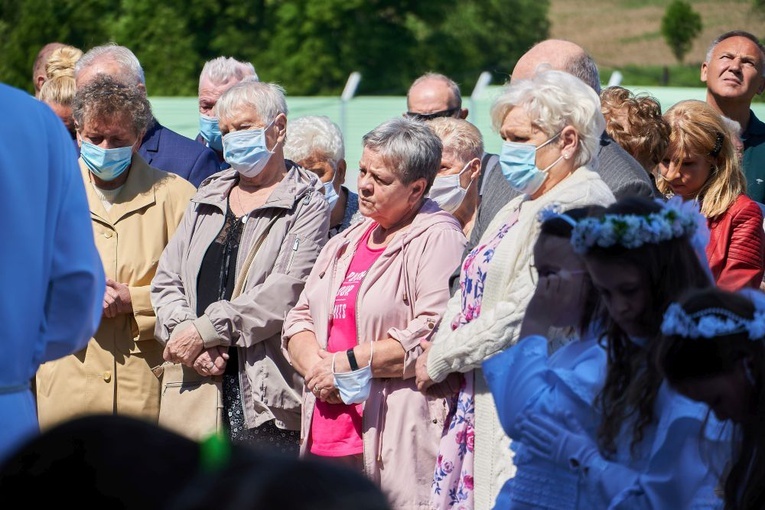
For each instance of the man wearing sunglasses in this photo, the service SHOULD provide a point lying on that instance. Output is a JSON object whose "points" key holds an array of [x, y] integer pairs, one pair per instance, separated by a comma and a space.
{"points": [[434, 95]]}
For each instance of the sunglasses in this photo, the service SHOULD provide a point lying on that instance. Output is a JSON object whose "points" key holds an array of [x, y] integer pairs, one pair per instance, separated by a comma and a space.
{"points": [[430, 116]]}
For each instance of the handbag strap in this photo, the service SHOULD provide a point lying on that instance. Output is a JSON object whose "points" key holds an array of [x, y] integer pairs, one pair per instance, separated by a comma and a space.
{"points": [[251, 255]]}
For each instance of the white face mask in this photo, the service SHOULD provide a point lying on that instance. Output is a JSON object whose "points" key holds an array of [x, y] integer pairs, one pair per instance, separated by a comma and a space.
{"points": [[355, 385], [447, 191]]}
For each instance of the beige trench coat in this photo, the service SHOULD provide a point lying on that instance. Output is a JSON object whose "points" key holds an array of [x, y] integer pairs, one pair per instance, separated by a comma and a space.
{"points": [[113, 373]]}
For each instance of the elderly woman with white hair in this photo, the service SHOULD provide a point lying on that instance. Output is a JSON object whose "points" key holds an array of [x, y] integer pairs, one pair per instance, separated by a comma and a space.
{"points": [[377, 290], [237, 265], [316, 143], [453, 189], [551, 126]]}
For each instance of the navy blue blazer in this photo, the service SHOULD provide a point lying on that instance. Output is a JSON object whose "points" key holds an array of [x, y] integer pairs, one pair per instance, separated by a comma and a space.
{"points": [[172, 152]]}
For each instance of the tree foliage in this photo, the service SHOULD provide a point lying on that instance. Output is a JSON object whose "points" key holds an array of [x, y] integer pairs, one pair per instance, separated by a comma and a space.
{"points": [[308, 46], [680, 26]]}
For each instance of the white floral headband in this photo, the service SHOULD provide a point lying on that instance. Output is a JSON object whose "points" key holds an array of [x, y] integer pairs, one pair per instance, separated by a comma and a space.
{"points": [[676, 219], [554, 211], [712, 322]]}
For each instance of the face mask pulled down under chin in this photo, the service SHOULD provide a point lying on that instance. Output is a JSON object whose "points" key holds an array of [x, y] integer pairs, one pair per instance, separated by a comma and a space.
{"points": [[106, 164], [518, 164], [447, 191], [354, 386], [246, 151]]}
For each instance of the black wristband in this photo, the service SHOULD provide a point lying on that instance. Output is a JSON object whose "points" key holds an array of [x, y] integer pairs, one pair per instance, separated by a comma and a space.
{"points": [[352, 359]]}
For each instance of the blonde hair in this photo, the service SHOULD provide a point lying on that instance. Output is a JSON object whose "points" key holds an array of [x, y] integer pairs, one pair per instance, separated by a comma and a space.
{"points": [[636, 124], [61, 62], [697, 128], [459, 137], [59, 90]]}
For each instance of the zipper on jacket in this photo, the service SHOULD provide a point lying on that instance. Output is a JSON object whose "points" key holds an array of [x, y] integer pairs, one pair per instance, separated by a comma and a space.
{"points": [[295, 247]]}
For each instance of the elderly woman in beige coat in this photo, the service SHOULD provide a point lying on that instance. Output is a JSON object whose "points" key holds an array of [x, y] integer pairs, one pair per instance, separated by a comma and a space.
{"points": [[376, 291], [238, 264], [134, 209]]}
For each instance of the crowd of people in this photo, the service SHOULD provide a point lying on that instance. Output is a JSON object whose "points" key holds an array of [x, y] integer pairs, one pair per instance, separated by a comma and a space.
{"points": [[576, 322]]}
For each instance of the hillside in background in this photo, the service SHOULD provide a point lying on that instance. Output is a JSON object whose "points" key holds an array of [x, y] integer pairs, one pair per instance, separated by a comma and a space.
{"points": [[619, 33]]}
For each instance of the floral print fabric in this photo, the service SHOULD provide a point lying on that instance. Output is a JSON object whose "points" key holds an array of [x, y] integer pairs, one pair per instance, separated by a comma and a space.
{"points": [[452, 485]]}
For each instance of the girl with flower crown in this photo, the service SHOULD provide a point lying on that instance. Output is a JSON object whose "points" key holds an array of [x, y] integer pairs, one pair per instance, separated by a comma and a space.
{"points": [[527, 379], [713, 351], [645, 452], [701, 164]]}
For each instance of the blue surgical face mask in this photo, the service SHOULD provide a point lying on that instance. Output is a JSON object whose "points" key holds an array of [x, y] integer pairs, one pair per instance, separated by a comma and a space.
{"points": [[518, 164], [356, 385], [106, 164], [210, 131], [246, 150], [330, 195]]}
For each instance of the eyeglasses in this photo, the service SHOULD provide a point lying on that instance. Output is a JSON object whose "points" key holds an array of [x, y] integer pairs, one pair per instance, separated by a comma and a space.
{"points": [[534, 274], [430, 116]]}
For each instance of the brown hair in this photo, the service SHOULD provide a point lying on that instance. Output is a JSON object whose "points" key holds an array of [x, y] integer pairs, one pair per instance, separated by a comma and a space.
{"points": [[680, 359], [636, 124], [632, 383]]}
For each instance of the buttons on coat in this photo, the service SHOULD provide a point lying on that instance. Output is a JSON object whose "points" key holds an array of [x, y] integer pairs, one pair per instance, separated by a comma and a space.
{"points": [[107, 376]]}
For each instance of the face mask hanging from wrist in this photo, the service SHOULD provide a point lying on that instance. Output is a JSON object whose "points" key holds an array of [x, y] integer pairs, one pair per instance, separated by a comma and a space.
{"points": [[447, 191], [518, 164], [246, 150], [210, 131], [355, 385], [106, 164]]}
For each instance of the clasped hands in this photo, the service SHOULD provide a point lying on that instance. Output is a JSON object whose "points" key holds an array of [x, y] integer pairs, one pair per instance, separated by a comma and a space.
{"points": [[320, 380], [188, 349], [563, 442]]}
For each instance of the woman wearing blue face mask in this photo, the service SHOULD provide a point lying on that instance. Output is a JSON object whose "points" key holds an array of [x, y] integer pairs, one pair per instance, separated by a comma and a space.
{"points": [[237, 265], [377, 290], [551, 125], [135, 210]]}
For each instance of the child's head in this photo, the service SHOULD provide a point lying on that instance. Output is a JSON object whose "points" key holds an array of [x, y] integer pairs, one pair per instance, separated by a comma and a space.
{"points": [[712, 349], [640, 257], [554, 254]]}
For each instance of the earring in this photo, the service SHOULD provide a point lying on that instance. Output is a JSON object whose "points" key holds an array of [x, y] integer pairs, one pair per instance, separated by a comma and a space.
{"points": [[566, 156]]}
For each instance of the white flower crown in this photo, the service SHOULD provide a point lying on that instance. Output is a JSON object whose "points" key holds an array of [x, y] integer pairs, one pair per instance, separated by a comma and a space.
{"points": [[712, 322], [676, 219]]}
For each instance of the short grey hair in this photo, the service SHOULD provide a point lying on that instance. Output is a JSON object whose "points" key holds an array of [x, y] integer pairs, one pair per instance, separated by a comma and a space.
{"points": [[105, 97], [451, 84], [583, 67], [554, 100], [737, 33], [314, 135], [132, 72], [410, 149], [267, 99], [459, 137], [222, 70]]}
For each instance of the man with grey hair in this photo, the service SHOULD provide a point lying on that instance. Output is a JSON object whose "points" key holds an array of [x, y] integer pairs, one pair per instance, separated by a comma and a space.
{"points": [[734, 71], [161, 147], [620, 171], [217, 76], [316, 144]]}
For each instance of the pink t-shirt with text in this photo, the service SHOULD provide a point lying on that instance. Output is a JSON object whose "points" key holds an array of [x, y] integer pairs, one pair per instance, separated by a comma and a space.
{"points": [[336, 428]]}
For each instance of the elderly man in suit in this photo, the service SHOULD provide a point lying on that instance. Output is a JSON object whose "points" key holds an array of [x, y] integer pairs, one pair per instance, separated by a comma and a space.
{"points": [[217, 76], [161, 147]]}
